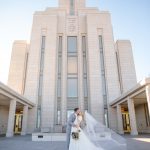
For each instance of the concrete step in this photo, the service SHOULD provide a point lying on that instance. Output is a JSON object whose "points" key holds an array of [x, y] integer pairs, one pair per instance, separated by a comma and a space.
{"points": [[48, 137]]}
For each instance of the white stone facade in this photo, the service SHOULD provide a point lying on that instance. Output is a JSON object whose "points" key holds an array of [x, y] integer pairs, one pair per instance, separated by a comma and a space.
{"points": [[17, 71], [127, 69], [110, 65]]}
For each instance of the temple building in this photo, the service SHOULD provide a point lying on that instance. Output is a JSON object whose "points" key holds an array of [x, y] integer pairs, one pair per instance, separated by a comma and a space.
{"points": [[73, 61]]}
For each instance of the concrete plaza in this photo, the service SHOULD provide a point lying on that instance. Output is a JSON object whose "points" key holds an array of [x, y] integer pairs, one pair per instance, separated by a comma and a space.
{"points": [[141, 142]]}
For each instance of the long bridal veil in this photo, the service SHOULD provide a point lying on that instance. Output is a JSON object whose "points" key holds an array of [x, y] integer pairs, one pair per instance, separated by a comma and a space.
{"points": [[101, 136]]}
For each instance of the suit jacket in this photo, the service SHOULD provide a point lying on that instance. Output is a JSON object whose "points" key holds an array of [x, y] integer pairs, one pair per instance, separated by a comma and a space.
{"points": [[70, 123]]}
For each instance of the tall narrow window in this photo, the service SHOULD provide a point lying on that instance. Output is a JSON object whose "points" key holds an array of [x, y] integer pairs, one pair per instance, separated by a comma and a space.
{"points": [[103, 71], [25, 73], [85, 82], [59, 79], [103, 77], [59, 66], [72, 67], [119, 73], [38, 124], [72, 7]]}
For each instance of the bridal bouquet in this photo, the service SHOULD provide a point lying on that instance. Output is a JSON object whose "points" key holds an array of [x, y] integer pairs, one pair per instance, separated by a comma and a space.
{"points": [[75, 135]]}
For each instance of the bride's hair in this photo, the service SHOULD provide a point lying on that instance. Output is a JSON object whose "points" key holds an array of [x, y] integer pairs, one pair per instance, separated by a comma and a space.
{"points": [[81, 114]]}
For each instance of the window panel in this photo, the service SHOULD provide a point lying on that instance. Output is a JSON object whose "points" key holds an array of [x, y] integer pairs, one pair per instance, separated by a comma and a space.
{"points": [[84, 65], [42, 62], [100, 42], [83, 44], [72, 88], [58, 117], [59, 65], [72, 65], [104, 85], [71, 7], [102, 60], [72, 44], [85, 88], [59, 88], [40, 85], [43, 42], [60, 44], [38, 121]]}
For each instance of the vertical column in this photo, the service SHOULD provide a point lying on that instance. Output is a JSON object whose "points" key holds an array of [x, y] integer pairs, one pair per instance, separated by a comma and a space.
{"points": [[132, 116], [11, 118], [148, 97], [24, 123], [119, 120]]}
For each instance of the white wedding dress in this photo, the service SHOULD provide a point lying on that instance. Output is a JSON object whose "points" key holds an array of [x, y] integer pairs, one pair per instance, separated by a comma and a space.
{"points": [[95, 136], [83, 143]]}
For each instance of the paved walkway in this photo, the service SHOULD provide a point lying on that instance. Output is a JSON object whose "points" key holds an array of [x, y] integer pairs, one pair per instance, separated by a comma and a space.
{"points": [[141, 142]]}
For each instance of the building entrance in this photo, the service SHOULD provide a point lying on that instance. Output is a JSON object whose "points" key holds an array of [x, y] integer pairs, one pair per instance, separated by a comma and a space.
{"points": [[126, 122], [18, 123]]}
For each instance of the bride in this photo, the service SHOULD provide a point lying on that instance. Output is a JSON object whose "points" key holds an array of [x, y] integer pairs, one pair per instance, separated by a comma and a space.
{"points": [[79, 141], [88, 134]]}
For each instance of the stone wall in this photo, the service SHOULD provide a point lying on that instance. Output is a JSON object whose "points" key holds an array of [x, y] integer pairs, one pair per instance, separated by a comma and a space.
{"points": [[4, 111], [141, 119]]}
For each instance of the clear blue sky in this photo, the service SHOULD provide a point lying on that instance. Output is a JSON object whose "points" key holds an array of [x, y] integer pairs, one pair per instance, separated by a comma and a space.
{"points": [[130, 20]]}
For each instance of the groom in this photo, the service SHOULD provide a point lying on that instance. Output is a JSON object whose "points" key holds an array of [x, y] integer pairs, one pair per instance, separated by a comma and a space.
{"points": [[71, 124]]}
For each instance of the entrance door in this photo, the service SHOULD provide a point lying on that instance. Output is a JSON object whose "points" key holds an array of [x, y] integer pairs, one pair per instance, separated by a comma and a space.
{"points": [[18, 123], [126, 122]]}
